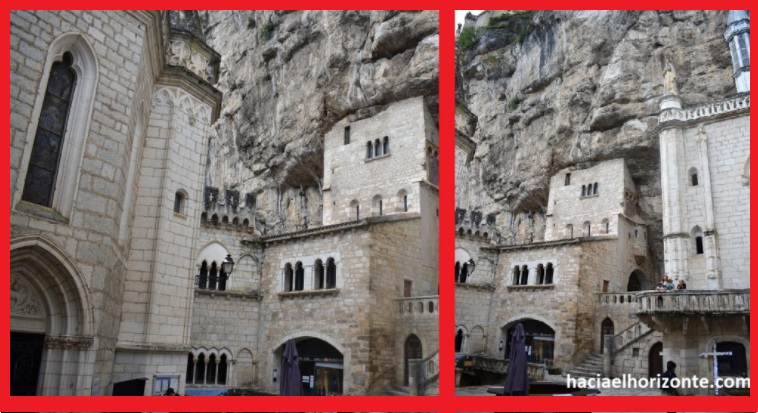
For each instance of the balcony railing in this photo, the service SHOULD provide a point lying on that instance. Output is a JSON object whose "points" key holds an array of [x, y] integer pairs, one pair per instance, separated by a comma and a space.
{"points": [[417, 306], [612, 299], [717, 302]]}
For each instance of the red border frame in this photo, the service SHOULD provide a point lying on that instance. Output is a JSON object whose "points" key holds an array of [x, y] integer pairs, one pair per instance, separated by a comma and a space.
{"points": [[446, 402]]}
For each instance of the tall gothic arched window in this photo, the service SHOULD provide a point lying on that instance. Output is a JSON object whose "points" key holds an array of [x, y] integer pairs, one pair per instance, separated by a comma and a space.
{"points": [[51, 129]]}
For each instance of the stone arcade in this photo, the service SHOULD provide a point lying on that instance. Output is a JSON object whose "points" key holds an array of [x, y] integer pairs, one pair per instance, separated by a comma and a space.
{"points": [[118, 246], [583, 284]]}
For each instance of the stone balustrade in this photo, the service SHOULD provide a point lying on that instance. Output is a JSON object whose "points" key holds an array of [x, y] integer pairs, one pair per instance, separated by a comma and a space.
{"points": [[629, 335], [612, 299], [411, 307], [712, 109], [423, 374], [715, 302]]}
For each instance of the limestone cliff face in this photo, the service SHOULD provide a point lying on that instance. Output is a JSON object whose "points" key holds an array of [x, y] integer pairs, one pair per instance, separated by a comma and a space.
{"points": [[287, 77], [572, 88]]}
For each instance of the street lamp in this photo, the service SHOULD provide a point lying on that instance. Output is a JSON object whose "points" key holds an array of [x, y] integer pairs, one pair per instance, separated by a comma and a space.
{"points": [[471, 266], [228, 265]]}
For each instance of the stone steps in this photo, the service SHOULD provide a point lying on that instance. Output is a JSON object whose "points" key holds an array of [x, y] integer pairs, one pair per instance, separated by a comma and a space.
{"points": [[396, 390], [590, 367]]}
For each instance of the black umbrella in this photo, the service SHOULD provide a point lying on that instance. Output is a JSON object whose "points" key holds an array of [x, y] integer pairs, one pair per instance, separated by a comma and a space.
{"points": [[517, 375], [290, 385]]}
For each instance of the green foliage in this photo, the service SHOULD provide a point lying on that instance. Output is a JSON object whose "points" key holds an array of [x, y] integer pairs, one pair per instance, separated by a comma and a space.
{"points": [[267, 31], [513, 103], [468, 38], [518, 23]]}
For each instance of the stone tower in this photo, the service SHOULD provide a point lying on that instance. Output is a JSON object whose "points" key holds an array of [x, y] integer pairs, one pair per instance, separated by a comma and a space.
{"points": [[737, 35], [701, 150]]}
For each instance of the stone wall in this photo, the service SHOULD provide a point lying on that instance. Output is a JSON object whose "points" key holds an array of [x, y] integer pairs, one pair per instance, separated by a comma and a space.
{"points": [[340, 318], [556, 305], [350, 175], [635, 359], [227, 320], [569, 207], [395, 259], [728, 143], [88, 228]]}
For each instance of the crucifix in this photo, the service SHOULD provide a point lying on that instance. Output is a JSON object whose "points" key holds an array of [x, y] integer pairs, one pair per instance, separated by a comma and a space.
{"points": [[716, 355]]}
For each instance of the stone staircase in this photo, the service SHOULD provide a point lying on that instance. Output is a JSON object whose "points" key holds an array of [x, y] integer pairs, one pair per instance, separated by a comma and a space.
{"points": [[396, 390], [590, 367]]}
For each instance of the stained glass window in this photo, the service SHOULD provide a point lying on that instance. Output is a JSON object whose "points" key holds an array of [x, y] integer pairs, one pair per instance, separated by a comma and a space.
{"points": [[48, 141]]}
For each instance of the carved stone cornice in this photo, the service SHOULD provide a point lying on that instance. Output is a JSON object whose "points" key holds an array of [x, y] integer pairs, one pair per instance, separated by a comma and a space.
{"points": [[69, 342], [718, 109]]}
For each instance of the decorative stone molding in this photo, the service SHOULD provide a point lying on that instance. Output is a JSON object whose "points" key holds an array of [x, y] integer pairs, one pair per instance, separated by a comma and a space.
{"points": [[708, 302], [256, 295], [24, 300], [177, 97], [69, 342], [530, 287], [309, 293], [180, 53], [475, 286], [714, 109]]}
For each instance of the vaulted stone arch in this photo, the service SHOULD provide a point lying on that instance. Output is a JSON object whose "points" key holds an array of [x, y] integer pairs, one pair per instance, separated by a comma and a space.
{"points": [[50, 306]]}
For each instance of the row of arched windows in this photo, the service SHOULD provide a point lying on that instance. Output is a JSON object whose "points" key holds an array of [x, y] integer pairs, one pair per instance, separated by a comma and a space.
{"points": [[322, 276], [211, 370], [589, 190], [377, 205], [377, 148], [212, 278], [544, 274]]}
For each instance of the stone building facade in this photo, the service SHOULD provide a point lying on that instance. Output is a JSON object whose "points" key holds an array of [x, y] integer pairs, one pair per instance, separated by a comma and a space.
{"points": [[601, 296], [594, 242], [118, 244]]}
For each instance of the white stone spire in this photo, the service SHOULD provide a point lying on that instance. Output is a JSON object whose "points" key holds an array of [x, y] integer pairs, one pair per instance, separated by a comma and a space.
{"points": [[737, 35]]}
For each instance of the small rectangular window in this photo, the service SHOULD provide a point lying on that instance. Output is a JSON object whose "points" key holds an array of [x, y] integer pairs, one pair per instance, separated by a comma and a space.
{"points": [[347, 135], [568, 179]]}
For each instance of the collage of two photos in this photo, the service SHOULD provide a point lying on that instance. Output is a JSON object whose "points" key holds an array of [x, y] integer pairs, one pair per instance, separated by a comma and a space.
{"points": [[247, 203]]}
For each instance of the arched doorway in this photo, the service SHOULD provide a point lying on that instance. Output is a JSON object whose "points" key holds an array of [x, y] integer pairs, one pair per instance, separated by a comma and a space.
{"points": [[655, 359], [413, 350], [50, 321], [459, 341], [606, 329], [540, 340], [637, 282], [321, 363], [734, 365]]}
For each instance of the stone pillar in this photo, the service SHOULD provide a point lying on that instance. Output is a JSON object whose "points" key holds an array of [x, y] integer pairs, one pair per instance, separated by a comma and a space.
{"points": [[709, 241], [673, 181]]}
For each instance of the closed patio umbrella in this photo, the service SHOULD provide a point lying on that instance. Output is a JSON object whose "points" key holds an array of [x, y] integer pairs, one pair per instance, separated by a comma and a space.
{"points": [[517, 374], [290, 384]]}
